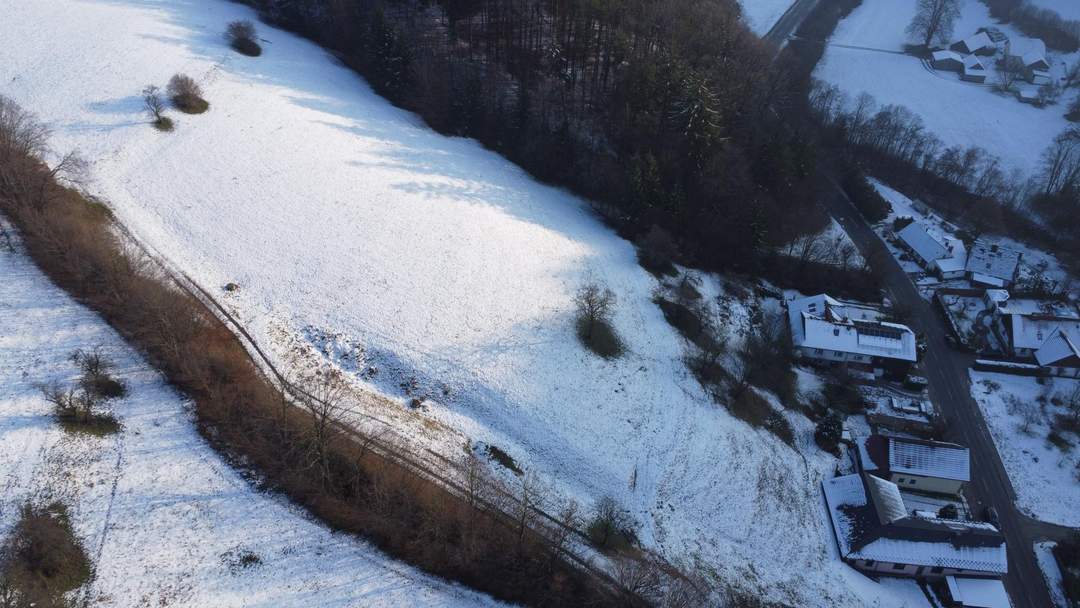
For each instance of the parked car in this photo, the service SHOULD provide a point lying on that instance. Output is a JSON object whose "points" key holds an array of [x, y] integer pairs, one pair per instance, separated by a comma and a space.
{"points": [[916, 382]]}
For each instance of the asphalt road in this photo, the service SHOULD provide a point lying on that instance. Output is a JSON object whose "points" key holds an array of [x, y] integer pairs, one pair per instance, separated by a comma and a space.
{"points": [[947, 371], [790, 21]]}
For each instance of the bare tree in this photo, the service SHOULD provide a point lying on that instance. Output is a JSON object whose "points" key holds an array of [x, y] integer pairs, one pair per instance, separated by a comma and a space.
{"points": [[1061, 163], [186, 94], [324, 406], [609, 521], [934, 20], [151, 96], [595, 304], [1072, 404], [242, 37], [1009, 73]]}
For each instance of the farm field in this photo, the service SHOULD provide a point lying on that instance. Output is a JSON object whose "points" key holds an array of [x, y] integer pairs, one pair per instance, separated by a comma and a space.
{"points": [[428, 269], [865, 55]]}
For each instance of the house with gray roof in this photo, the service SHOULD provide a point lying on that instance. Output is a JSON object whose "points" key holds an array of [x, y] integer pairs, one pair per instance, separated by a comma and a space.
{"points": [[992, 265], [877, 533]]}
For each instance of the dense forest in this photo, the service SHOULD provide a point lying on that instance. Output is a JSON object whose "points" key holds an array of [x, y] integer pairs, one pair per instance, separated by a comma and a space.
{"points": [[661, 113]]}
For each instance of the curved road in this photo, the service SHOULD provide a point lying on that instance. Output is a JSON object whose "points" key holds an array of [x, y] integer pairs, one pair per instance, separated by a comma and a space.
{"points": [[950, 391]]}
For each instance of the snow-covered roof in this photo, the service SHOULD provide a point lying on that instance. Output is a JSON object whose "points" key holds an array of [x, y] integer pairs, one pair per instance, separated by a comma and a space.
{"points": [[1037, 307], [972, 62], [943, 55], [829, 324], [978, 592], [922, 541], [1031, 328], [927, 247], [998, 296], [910, 456], [885, 495], [929, 459], [1057, 349], [975, 42], [957, 259], [993, 264], [1030, 50]]}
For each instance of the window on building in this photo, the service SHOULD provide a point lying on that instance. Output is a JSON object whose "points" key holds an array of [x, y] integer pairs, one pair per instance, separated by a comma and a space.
{"points": [[936, 570], [818, 351], [899, 480], [911, 482], [870, 563], [835, 332], [899, 566]]}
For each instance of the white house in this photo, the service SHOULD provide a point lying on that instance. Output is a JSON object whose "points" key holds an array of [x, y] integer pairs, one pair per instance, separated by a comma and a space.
{"points": [[947, 60], [876, 532], [826, 329], [992, 265], [973, 70], [979, 43], [946, 257], [916, 464]]}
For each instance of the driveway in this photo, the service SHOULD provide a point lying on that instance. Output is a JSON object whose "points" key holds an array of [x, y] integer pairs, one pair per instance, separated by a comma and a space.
{"points": [[950, 391]]}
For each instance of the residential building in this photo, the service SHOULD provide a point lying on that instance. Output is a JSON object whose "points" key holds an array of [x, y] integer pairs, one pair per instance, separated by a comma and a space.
{"points": [[916, 464], [877, 533], [854, 335], [945, 256], [1059, 355], [992, 265], [1026, 325]]}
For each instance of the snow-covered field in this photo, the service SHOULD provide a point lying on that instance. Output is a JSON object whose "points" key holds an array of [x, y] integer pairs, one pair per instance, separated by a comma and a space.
{"points": [[160, 513], [761, 15], [1018, 411], [351, 228], [959, 113]]}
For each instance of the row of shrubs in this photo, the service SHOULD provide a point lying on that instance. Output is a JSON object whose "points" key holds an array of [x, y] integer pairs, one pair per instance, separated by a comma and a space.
{"points": [[186, 94], [349, 487]]}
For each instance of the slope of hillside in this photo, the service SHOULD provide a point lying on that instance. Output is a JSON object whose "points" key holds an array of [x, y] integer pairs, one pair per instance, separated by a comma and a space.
{"points": [[437, 265], [166, 521]]}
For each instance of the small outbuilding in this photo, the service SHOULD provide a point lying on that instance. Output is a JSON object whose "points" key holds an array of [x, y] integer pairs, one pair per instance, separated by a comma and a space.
{"points": [[979, 43], [974, 70], [976, 593], [947, 60]]}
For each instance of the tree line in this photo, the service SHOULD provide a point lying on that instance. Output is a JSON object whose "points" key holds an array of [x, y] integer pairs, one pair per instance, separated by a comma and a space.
{"points": [[658, 112]]}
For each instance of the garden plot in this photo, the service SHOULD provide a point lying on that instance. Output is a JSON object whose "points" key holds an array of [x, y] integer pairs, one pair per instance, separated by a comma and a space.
{"points": [[865, 54], [429, 269], [166, 521], [1027, 421], [972, 320]]}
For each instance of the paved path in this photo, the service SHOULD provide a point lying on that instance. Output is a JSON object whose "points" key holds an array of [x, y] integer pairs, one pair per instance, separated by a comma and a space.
{"points": [[947, 371]]}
